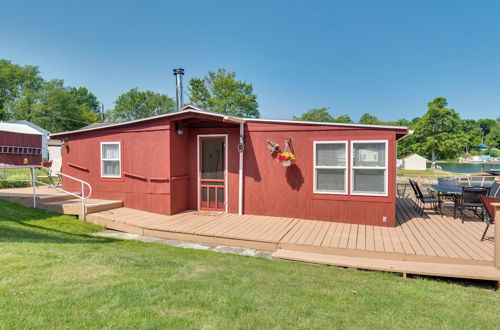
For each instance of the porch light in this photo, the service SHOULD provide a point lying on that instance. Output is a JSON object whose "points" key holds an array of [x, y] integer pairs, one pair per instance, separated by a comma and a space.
{"points": [[179, 130]]}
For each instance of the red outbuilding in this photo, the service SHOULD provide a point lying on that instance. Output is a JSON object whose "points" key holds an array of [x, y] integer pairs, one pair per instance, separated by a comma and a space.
{"points": [[196, 159], [20, 144]]}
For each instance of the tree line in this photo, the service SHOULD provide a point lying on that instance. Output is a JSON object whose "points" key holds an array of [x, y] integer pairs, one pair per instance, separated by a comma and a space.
{"points": [[439, 134], [25, 95]]}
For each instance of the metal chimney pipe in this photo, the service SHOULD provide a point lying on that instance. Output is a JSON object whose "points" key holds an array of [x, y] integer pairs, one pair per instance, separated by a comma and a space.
{"points": [[178, 73]]}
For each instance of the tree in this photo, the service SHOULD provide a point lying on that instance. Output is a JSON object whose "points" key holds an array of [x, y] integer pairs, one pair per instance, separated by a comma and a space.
{"points": [[473, 133], [439, 133], [136, 104], [317, 114], [221, 92], [368, 119], [493, 137], [485, 125], [343, 119], [84, 97], [57, 109], [322, 115], [17, 82]]}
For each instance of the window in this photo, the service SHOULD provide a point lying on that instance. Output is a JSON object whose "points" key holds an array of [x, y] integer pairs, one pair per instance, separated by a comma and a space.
{"points": [[369, 168], [330, 167], [110, 160]]}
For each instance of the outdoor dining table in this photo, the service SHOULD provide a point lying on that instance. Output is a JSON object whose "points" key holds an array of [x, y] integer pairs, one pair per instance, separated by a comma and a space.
{"points": [[454, 190]]}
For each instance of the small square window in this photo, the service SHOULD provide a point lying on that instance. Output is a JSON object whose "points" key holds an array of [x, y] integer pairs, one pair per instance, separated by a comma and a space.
{"points": [[110, 160]]}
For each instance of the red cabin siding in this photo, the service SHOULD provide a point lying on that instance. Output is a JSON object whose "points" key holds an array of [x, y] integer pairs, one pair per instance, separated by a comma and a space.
{"points": [[271, 189], [144, 154], [160, 168]]}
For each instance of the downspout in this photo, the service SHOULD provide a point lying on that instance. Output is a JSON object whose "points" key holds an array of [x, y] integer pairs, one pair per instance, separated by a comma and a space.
{"points": [[240, 178]]}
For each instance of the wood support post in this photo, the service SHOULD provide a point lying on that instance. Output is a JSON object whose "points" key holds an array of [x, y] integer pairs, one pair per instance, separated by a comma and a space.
{"points": [[496, 252]]}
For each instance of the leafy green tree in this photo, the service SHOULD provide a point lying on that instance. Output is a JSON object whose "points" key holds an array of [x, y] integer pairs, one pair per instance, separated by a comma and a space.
{"points": [[221, 92], [343, 119], [136, 104], [473, 133], [317, 114], [485, 125], [368, 119], [439, 133], [84, 97], [493, 137], [57, 109], [406, 146], [17, 82], [322, 115]]}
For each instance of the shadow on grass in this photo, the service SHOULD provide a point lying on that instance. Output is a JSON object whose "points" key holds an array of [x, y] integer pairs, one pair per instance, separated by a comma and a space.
{"points": [[10, 234], [22, 224]]}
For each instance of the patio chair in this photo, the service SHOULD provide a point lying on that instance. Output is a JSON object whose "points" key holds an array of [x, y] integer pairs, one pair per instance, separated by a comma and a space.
{"points": [[471, 199], [495, 190], [488, 212], [53, 173], [415, 192], [424, 199]]}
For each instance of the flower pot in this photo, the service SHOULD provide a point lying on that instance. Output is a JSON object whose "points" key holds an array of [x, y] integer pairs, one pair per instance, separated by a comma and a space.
{"points": [[286, 163]]}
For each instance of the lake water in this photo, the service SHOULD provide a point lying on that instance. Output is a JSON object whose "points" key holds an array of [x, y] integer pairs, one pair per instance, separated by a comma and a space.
{"points": [[465, 167]]}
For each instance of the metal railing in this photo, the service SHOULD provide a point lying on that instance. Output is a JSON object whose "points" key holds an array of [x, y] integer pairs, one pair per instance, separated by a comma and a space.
{"points": [[34, 180]]}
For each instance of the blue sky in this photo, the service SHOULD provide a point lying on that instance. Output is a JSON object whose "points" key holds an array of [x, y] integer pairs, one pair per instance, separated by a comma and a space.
{"points": [[388, 58]]}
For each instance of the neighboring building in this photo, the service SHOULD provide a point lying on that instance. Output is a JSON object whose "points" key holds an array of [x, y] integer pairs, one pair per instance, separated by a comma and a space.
{"points": [[54, 150], [20, 144], [475, 159], [195, 159], [414, 162], [44, 132]]}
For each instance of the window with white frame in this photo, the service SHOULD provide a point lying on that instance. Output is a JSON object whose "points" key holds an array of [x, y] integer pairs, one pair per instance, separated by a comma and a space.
{"points": [[110, 160], [369, 168], [330, 167]]}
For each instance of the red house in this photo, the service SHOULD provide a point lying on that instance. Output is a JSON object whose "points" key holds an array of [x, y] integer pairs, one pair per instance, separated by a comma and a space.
{"points": [[196, 159], [20, 144]]}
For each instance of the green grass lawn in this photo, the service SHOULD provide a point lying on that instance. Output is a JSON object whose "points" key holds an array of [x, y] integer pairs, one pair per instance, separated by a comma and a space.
{"points": [[19, 174], [429, 173], [54, 274]]}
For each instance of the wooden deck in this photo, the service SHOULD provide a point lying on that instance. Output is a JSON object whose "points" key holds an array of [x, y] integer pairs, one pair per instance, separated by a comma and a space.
{"points": [[431, 244], [429, 238]]}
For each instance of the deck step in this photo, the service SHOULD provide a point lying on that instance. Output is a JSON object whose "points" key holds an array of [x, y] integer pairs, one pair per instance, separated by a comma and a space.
{"points": [[74, 206], [103, 206], [61, 197], [396, 266]]}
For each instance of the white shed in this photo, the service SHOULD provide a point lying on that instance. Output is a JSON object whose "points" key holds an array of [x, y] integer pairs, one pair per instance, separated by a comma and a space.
{"points": [[414, 162]]}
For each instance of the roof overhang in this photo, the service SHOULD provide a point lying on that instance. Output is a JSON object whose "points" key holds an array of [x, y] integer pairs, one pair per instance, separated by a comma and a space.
{"points": [[184, 111], [401, 131]]}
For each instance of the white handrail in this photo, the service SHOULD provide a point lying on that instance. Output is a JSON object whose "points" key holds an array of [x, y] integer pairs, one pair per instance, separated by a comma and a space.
{"points": [[33, 180]]}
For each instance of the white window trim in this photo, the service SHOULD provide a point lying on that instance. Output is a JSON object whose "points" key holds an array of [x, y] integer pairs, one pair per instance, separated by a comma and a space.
{"points": [[385, 168], [315, 188], [119, 159]]}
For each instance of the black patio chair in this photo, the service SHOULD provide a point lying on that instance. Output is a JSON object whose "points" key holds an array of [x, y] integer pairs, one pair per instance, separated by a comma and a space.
{"points": [[495, 190], [471, 199], [488, 212], [413, 185], [427, 198]]}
